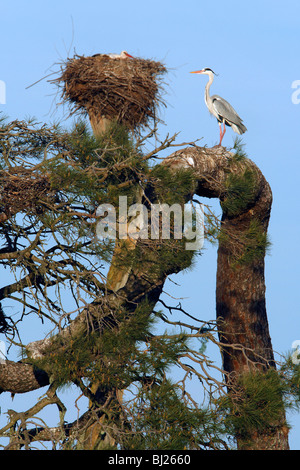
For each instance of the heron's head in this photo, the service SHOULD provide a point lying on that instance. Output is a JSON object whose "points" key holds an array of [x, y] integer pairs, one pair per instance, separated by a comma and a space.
{"points": [[205, 71]]}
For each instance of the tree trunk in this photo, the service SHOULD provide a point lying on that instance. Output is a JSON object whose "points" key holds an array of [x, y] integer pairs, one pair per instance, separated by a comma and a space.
{"points": [[100, 124]]}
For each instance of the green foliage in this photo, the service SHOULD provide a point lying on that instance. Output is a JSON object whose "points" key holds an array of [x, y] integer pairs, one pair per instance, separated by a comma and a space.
{"points": [[114, 358], [239, 152], [114, 146], [128, 355], [163, 421], [83, 144], [26, 141], [254, 244], [89, 169], [240, 190], [255, 404], [96, 170], [173, 257], [290, 374], [171, 186], [163, 352], [104, 356]]}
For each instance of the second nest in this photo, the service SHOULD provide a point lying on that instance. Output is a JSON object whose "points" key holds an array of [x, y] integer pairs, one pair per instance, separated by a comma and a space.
{"points": [[122, 90]]}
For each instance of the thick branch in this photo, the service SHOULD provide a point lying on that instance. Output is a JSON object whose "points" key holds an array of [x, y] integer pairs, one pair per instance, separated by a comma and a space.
{"points": [[17, 377]]}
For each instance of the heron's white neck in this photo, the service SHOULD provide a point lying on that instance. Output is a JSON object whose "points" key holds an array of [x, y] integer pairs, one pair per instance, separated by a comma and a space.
{"points": [[207, 87]]}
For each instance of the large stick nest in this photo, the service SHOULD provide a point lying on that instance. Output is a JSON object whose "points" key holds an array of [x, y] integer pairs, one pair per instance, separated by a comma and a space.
{"points": [[124, 90], [22, 189]]}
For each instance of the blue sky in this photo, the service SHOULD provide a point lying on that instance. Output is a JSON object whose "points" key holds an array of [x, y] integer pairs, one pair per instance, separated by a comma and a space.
{"points": [[254, 48]]}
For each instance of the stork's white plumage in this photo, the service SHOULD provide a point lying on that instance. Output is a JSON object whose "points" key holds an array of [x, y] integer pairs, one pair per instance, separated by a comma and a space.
{"points": [[123, 55]]}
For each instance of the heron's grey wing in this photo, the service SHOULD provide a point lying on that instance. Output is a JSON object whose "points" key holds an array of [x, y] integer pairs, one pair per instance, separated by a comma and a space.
{"points": [[225, 110]]}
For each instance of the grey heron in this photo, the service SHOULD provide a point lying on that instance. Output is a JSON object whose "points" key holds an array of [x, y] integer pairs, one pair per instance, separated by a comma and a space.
{"points": [[221, 109]]}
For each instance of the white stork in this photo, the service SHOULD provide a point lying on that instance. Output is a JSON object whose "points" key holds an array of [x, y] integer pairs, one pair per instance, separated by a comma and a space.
{"points": [[123, 55]]}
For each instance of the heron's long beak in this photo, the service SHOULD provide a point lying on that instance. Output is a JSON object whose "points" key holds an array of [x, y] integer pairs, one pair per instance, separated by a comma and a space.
{"points": [[197, 71]]}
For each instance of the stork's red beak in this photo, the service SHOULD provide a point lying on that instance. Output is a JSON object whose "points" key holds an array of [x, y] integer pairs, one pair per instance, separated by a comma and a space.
{"points": [[128, 55]]}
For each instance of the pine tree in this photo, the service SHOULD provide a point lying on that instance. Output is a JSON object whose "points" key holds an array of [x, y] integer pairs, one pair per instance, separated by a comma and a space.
{"points": [[99, 298]]}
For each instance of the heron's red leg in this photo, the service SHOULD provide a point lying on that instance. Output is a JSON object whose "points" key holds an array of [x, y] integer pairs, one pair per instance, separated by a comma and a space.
{"points": [[221, 136], [222, 133]]}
